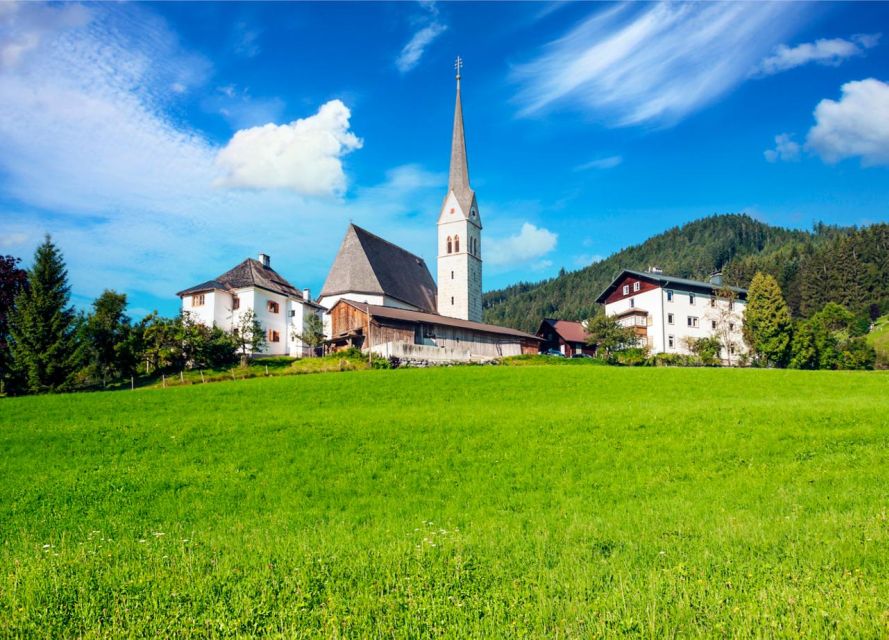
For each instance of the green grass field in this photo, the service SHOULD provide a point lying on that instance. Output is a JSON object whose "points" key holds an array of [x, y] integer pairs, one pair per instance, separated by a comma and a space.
{"points": [[581, 501]]}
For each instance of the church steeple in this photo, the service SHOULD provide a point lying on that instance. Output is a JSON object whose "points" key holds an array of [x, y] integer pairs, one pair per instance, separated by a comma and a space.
{"points": [[459, 233], [458, 179]]}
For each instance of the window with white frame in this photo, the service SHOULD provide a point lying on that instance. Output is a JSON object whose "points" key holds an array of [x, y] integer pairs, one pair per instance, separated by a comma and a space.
{"points": [[713, 324], [691, 298], [670, 319], [198, 300], [712, 302], [626, 289], [693, 321], [637, 286], [669, 296], [632, 302], [671, 341]]}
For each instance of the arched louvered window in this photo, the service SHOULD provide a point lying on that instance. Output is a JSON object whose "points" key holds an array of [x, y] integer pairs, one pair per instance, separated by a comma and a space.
{"points": [[456, 244], [449, 244]]}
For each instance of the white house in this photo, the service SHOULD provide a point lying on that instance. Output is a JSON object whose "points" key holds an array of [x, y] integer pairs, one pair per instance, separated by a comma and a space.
{"points": [[668, 312], [281, 308]]}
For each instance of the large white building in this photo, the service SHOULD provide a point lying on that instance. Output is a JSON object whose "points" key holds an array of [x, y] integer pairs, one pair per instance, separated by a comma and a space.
{"points": [[668, 312], [281, 308]]}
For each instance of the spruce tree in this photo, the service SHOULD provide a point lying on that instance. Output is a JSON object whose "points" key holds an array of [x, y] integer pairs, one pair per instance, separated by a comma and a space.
{"points": [[42, 325], [767, 326]]}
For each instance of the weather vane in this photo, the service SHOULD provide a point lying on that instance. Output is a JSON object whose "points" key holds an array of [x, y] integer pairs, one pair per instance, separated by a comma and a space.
{"points": [[458, 65]]}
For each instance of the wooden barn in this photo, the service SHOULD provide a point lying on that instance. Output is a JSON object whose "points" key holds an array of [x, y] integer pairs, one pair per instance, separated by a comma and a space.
{"points": [[566, 336], [390, 331]]}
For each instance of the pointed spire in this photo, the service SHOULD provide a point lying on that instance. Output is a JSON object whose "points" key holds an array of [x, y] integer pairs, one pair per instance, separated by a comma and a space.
{"points": [[458, 180]]}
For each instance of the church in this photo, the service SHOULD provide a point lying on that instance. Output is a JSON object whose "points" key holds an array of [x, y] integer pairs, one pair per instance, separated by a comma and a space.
{"points": [[378, 296], [382, 298]]}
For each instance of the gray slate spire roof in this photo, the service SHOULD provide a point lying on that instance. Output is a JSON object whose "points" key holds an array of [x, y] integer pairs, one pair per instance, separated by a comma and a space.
{"points": [[368, 264], [250, 273], [458, 179]]}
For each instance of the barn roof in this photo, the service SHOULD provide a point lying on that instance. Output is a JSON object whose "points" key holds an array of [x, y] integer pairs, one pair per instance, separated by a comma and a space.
{"points": [[568, 330], [367, 263], [250, 273], [406, 315], [667, 281]]}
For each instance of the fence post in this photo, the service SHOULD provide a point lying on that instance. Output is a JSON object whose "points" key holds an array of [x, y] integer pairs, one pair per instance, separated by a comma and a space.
{"points": [[233, 374], [164, 380], [132, 383], [202, 376], [182, 376], [267, 369]]}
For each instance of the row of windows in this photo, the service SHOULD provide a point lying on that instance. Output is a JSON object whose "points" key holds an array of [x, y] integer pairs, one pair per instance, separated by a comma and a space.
{"points": [[671, 343], [272, 306], [693, 321], [692, 297], [454, 245], [636, 287]]}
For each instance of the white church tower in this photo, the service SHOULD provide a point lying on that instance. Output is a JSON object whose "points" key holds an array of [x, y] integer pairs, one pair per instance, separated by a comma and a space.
{"points": [[459, 234]]}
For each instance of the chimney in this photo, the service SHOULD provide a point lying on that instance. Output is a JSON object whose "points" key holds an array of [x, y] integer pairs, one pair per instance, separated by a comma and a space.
{"points": [[716, 278], [307, 295], [264, 260], [653, 269]]}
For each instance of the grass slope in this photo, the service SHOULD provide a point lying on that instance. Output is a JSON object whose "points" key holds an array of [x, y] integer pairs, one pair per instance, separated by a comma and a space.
{"points": [[469, 502], [878, 338]]}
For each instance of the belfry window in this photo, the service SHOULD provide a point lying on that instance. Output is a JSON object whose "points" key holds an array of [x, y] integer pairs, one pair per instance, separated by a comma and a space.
{"points": [[449, 244], [456, 244]]}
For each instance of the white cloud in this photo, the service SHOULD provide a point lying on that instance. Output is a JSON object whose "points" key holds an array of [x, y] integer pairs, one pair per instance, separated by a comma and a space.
{"points": [[246, 40], [430, 28], [24, 25], [529, 244], [600, 163], [856, 125], [785, 149], [586, 259], [830, 52], [304, 156], [634, 64]]}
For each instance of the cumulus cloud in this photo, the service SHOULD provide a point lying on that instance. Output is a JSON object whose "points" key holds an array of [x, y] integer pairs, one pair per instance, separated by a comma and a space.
{"points": [[637, 63], [600, 163], [531, 243], [856, 125], [430, 28], [785, 149], [830, 52], [304, 156]]}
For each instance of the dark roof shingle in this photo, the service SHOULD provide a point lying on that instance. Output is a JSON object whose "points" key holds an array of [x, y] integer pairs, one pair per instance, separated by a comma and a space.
{"points": [[250, 273], [369, 264]]}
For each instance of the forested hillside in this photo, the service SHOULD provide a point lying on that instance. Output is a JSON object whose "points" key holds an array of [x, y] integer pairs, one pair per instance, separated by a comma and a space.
{"points": [[813, 267]]}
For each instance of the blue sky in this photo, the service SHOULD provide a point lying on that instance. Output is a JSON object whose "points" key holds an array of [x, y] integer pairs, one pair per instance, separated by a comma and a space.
{"points": [[161, 144]]}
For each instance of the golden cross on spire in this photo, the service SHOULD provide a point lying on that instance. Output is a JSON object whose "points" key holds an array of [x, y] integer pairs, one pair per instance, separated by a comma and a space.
{"points": [[458, 65]]}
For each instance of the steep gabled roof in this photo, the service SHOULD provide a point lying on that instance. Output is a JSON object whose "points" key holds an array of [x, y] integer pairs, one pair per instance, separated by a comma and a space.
{"points": [[667, 281], [406, 315], [250, 273], [568, 330], [368, 264]]}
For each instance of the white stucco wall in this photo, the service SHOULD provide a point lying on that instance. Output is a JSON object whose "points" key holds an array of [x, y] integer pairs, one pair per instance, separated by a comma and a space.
{"points": [[459, 275], [660, 329]]}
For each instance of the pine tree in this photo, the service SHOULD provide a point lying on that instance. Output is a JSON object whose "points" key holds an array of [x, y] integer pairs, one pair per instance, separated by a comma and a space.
{"points": [[12, 281], [42, 325], [767, 326]]}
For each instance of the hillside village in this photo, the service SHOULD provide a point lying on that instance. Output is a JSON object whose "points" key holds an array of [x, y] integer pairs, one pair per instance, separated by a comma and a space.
{"points": [[381, 298]]}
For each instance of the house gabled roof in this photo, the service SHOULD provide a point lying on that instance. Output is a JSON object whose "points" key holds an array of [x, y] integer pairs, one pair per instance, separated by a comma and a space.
{"points": [[406, 315], [367, 263], [568, 330], [250, 273], [666, 281]]}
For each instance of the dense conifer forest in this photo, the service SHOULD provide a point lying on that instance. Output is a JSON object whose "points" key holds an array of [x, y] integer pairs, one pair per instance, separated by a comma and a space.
{"points": [[827, 264]]}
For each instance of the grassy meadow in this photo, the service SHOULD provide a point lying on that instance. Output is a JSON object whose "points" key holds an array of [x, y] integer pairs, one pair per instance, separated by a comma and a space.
{"points": [[536, 501]]}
